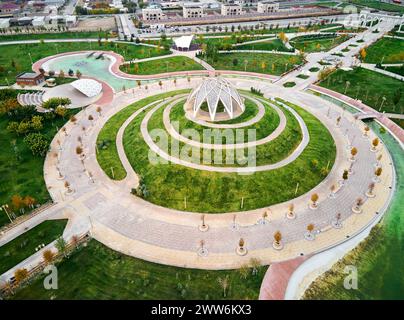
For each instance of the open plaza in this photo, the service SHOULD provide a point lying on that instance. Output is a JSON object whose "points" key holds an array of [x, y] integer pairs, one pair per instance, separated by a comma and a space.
{"points": [[162, 160]]}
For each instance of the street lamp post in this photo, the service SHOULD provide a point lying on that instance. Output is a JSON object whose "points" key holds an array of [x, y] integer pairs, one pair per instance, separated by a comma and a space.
{"points": [[5, 207]]}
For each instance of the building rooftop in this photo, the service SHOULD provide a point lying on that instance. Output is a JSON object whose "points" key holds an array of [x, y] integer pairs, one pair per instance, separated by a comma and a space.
{"points": [[28, 75], [88, 87]]}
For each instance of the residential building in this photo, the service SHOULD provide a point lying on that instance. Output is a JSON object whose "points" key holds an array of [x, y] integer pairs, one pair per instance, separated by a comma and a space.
{"points": [[231, 9], [193, 10], [268, 6], [153, 13]]}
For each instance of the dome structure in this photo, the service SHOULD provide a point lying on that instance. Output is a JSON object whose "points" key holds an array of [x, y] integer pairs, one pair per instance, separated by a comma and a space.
{"points": [[216, 92]]}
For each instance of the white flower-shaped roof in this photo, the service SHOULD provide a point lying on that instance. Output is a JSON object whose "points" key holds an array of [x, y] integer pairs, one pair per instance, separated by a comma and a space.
{"points": [[214, 90], [88, 87]]}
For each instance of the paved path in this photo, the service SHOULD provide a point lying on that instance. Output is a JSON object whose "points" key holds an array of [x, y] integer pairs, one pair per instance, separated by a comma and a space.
{"points": [[241, 170], [277, 277], [136, 227], [373, 67]]}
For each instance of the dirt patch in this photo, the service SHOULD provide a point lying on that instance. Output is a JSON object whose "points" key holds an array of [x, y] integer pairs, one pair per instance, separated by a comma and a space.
{"points": [[95, 23]]}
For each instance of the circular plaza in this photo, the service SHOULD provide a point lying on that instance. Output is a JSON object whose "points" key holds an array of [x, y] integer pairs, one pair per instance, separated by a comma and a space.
{"points": [[206, 172]]}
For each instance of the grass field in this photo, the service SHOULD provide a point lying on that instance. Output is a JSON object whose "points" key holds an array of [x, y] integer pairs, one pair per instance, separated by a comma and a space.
{"points": [[170, 64], [267, 63], [214, 192], [267, 153], [56, 35], [386, 50], [325, 43], [24, 246], [379, 5], [97, 272], [263, 128], [268, 45], [21, 172], [368, 86], [107, 156], [15, 59]]}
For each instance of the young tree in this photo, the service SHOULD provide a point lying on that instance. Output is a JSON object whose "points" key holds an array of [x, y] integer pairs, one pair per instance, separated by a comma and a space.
{"points": [[314, 198], [224, 283], [61, 245], [20, 275], [278, 237], [354, 152], [48, 256]]}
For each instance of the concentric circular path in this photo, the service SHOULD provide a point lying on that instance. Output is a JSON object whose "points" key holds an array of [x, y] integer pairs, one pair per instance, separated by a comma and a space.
{"points": [[272, 136], [139, 228]]}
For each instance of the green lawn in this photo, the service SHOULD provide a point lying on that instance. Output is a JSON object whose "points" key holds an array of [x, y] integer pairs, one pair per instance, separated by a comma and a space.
{"points": [[386, 50], [21, 172], [267, 153], [267, 63], [97, 272], [56, 35], [379, 5], [14, 58], [318, 43], [263, 128], [368, 86], [214, 192], [170, 64], [264, 45], [24, 246], [107, 155]]}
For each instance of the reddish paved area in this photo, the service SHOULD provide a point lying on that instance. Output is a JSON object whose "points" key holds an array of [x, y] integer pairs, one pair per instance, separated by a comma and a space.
{"points": [[277, 277], [393, 127], [107, 93]]}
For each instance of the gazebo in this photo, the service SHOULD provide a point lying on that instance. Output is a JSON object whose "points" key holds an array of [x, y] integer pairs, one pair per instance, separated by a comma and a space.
{"points": [[215, 93]]}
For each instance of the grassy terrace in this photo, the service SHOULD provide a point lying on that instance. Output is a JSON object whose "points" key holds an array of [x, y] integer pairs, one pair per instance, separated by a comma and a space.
{"points": [[379, 5], [315, 44], [24, 246], [267, 63], [170, 64], [97, 272], [55, 35], [368, 86], [14, 58], [264, 45], [214, 192], [107, 155], [386, 50], [264, 127]]}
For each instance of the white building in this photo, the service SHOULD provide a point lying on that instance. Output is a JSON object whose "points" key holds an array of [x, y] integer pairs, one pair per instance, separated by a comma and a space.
{"points": [[4, 23], [38, 22], [231, 9], [56, 3], [267, 6], [193, 10], [153, 12]]}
